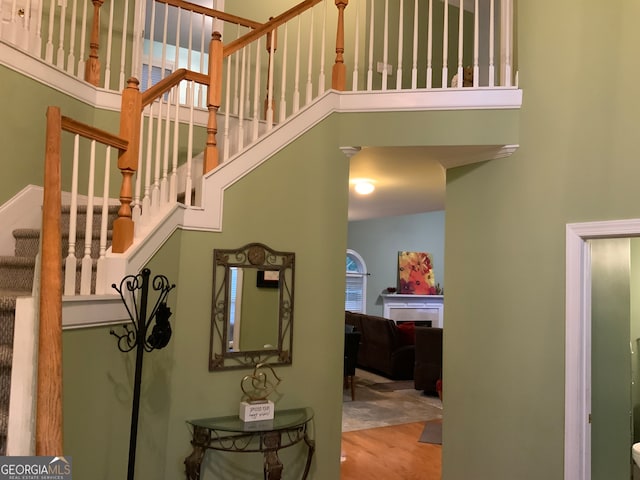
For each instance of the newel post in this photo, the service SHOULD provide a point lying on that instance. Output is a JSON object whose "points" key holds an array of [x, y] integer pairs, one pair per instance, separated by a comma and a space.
{"points": [[49, 393], [339, 75], [92, 67], [128, 164], [269, 101], [214, 96]]}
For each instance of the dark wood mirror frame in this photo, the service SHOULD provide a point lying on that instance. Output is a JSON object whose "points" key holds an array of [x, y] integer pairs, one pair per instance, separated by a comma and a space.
{"points": [[262, 259]]}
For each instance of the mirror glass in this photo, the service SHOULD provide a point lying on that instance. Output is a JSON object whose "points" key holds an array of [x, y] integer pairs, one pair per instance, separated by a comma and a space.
{"points": [[252, 312]]}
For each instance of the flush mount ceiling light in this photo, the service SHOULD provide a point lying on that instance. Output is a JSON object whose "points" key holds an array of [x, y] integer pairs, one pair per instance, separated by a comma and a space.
{"points": [[364, 187]]}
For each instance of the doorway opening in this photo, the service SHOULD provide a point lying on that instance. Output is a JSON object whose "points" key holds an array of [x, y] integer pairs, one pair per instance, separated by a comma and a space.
{"points": [[577, 448]]}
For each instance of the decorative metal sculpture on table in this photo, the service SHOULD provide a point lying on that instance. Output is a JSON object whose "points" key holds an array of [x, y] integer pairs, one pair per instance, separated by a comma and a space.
{"points": [[134, 291], [256, 388]]}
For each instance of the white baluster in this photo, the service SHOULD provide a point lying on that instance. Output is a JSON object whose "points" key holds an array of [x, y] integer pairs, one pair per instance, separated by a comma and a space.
{"points": [[190, 44], [150, 57], [371, 29], [461, 44], [476, 45], [101, 274], [400, 45], [1, 17], [165, 26], [12, 26], [256, 95], [123, 51], [157, 156], [201, 89], [62, 23], [241, 112], [296, 79], [83, 41], [321, 80], [136, 209], [236, 67], [506, 33], [36, 42], [71, 59], [414, 67], [385, 46], [173, 179], [48, 55], [189, 182], [71, 261], [309, 90], [87, 262], [492, 74], [269, 113], [146, 199], [176, 58], [164, 180], [107, 67], [445, 46], [283, 86], [139, 17], [356, 49], [227, 113], [247, 101], [430, 46]]}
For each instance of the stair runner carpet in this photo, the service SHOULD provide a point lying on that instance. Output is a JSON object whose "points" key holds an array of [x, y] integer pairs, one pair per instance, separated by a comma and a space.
{"points": [[16, 279]]}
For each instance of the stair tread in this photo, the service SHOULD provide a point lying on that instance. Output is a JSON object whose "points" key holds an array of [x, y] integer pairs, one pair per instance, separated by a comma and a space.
{"points": [[6, 355], [14, 261], [8, 292], [112, 208], [35, 233]]}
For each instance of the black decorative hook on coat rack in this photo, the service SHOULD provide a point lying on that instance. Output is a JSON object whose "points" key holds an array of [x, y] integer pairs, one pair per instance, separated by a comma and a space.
{"points": [[134, 292]]}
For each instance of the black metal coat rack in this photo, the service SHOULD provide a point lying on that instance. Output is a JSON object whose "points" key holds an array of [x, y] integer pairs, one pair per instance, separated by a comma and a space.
{"points": [[134, 291]]}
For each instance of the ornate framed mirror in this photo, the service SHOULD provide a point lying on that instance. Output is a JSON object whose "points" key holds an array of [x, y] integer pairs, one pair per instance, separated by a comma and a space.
{"points": [[252, 311]]}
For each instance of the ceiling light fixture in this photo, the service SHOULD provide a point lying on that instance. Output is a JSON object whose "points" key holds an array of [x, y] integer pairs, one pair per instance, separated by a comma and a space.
{"points": [[364, 187]]}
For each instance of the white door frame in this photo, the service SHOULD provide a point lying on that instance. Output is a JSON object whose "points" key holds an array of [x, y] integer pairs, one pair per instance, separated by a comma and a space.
{"points": [[577, 430]]}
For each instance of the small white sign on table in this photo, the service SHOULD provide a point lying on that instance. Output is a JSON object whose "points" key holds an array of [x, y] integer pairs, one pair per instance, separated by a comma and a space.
{"points": [[257, 410]]}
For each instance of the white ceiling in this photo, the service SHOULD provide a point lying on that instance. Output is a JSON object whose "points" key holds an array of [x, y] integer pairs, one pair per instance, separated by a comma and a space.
{"points": [[409, 180]]}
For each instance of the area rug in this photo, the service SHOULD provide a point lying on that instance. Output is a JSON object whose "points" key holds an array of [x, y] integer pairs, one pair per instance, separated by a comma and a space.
{"points": [[381, 402], [432, 432]]}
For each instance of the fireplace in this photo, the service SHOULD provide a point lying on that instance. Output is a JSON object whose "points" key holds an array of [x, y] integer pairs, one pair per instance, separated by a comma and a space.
{"points": [[414, 308]]}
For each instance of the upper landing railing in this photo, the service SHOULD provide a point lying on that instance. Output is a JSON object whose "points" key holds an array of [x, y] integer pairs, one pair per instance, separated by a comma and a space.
{"points": [[398, 44]]}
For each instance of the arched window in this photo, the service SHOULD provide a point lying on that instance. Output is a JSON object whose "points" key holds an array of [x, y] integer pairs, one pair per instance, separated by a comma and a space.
{"points": [[356, 284]]}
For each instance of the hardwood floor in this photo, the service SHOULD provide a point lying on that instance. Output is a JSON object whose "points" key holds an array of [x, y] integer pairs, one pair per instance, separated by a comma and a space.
{"points": [[390, 453]]}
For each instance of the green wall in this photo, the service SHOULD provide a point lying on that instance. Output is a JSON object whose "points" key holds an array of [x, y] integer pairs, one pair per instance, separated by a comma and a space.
{"points": [[378, 242], [505, 238], [23, 133]]}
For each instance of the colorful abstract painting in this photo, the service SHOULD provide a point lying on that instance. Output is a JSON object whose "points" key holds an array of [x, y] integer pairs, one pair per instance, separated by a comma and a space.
{"points": [[415, 273]]}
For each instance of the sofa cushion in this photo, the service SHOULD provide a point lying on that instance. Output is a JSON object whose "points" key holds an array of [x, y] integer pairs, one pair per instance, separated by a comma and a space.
{"points": [[407, 333]]}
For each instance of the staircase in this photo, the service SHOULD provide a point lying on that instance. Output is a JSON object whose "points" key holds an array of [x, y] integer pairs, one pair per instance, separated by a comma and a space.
{"points": [[16, 279]]}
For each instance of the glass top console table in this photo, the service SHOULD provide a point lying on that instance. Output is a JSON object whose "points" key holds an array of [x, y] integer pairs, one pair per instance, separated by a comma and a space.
{"points": [[230, 434]]}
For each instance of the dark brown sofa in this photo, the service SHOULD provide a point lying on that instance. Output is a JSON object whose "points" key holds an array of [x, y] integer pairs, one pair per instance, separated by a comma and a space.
{"points": [[428, 367], [382, 348]]}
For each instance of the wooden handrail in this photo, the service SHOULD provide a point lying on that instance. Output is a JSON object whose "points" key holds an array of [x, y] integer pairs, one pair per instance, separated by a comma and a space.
{"points": [[170, 81], [212, 13], [93, 133], [246, 39]]}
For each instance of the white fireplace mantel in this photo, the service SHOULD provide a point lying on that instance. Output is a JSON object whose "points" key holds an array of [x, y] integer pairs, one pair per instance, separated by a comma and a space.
{"points": [[402, 307]]}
